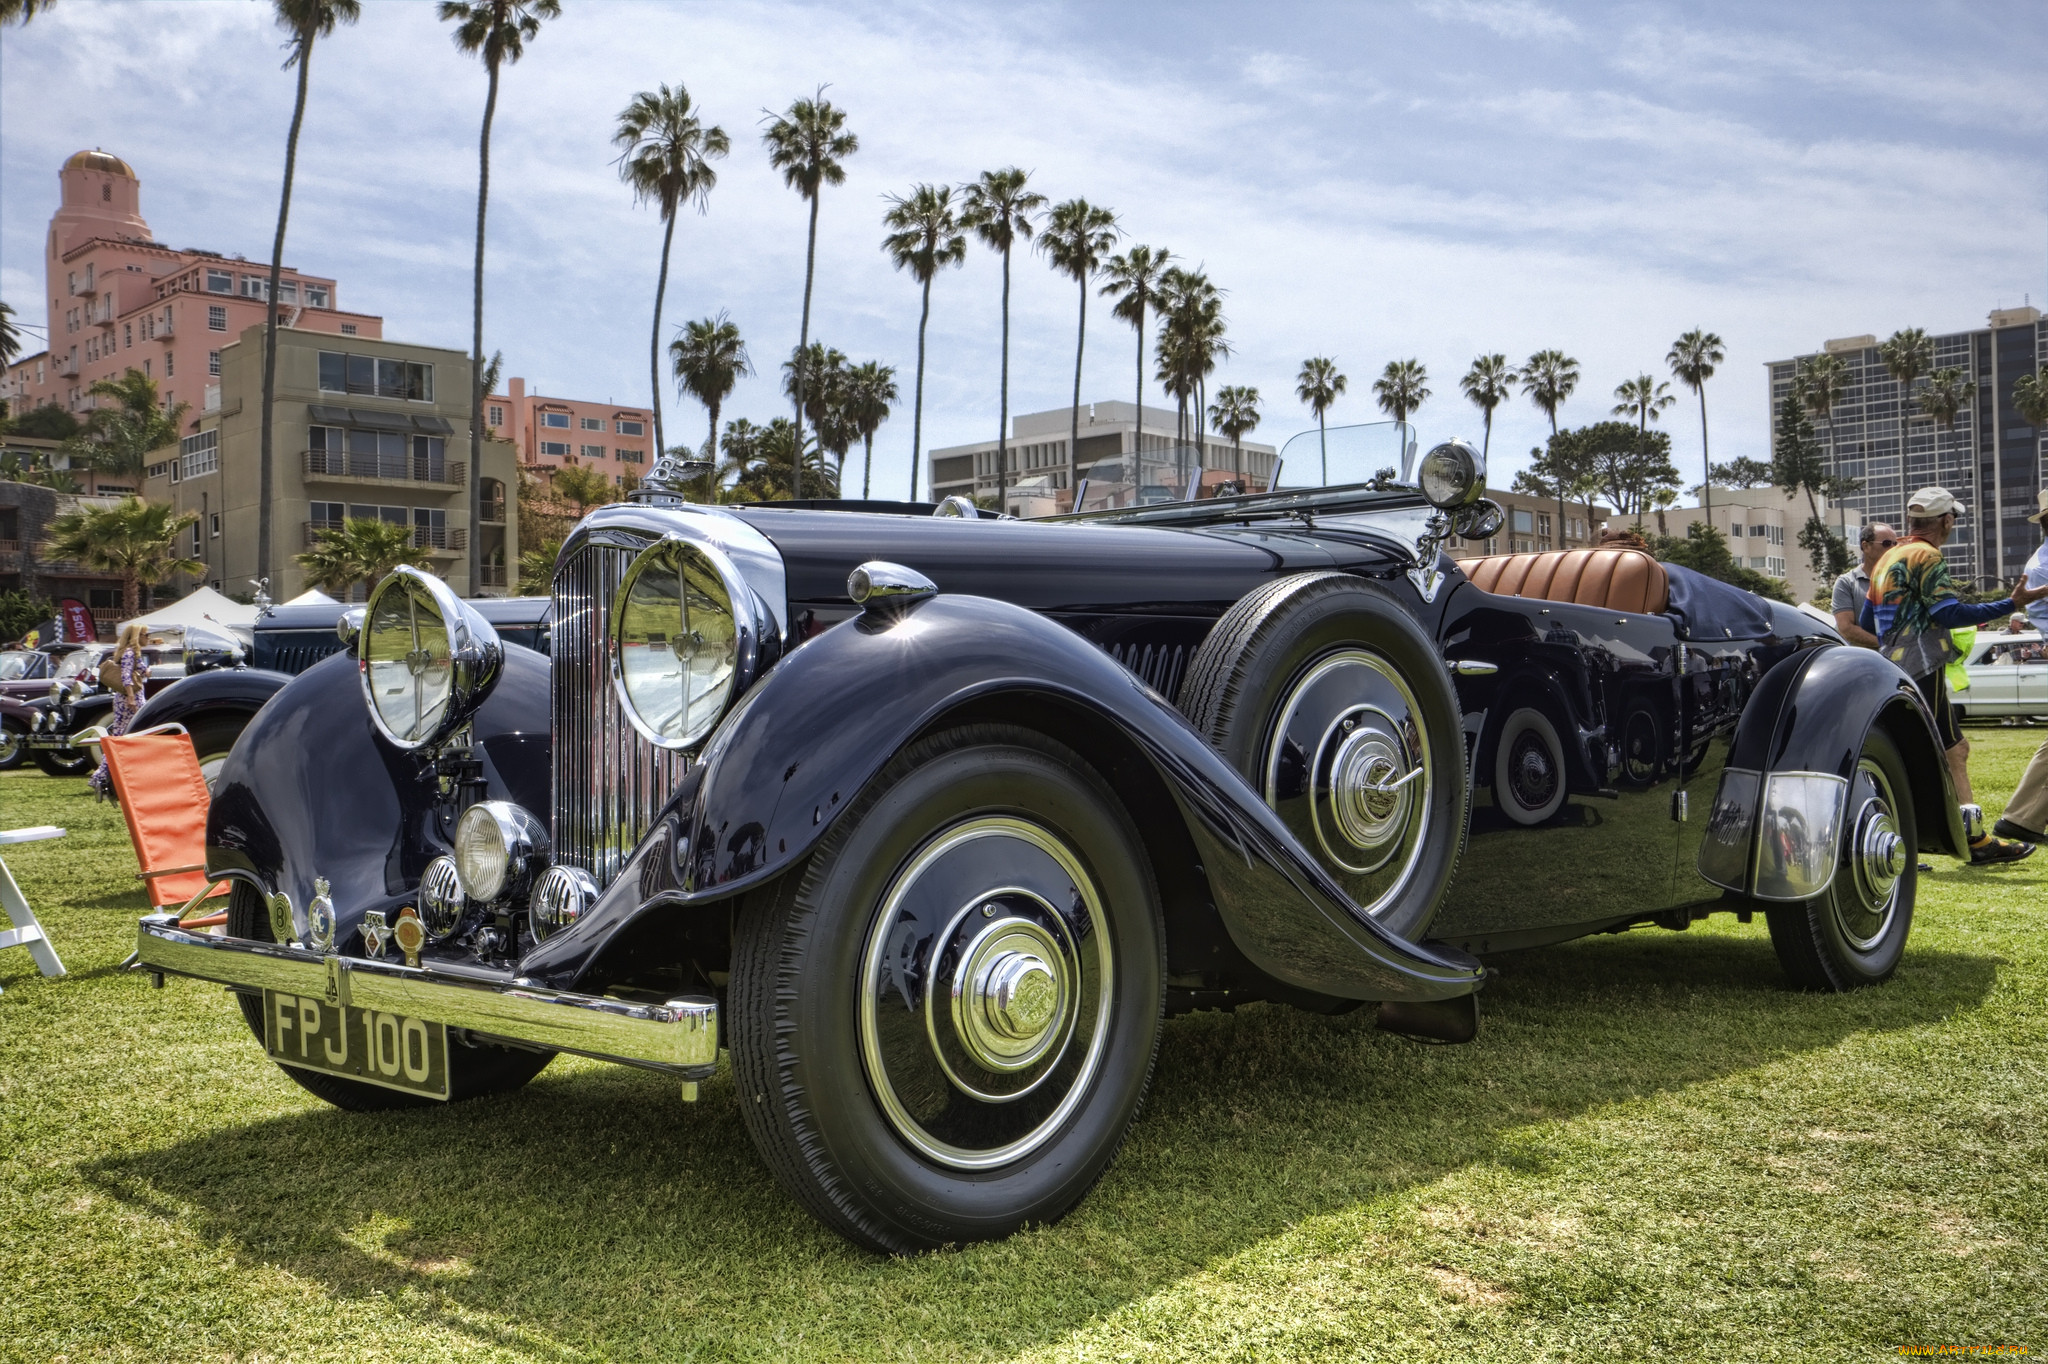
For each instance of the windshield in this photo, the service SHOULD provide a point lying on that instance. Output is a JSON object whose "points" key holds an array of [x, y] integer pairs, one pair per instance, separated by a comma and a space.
{"points": [[15, 663], [1340, 457], [79, 662]]}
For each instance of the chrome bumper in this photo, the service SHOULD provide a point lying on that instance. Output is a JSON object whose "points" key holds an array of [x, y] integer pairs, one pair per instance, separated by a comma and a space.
{"points": [[679, 1036]]}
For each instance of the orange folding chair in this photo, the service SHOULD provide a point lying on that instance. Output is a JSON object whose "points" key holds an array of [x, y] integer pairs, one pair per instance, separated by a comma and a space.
{"points": [[164, 799]]}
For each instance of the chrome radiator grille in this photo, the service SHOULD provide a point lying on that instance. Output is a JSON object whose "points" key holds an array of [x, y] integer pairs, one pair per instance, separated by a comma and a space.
{"points": [[608, 781]]}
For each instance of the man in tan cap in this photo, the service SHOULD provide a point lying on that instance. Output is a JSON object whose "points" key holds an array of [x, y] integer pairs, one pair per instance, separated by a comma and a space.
{"points": [[2026, 814], [1912, 607]]}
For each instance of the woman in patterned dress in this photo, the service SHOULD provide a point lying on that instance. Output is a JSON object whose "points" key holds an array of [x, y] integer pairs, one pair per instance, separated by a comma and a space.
{"points": [[128, 656]]}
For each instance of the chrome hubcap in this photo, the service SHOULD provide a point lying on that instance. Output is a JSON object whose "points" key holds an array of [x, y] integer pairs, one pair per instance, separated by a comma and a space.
{"points": [[1348, 770], [1877, 858], [986, 983]]}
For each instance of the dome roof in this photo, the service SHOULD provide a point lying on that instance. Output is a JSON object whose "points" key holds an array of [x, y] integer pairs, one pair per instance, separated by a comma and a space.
{"points": [[99, 161]]}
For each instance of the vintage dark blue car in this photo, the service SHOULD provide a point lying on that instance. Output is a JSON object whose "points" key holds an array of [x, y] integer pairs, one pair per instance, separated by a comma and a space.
{"points": [[927, 820]]}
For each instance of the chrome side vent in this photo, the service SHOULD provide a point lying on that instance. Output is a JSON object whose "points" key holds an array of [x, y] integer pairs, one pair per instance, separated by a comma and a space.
{"points": [[608, 781]]}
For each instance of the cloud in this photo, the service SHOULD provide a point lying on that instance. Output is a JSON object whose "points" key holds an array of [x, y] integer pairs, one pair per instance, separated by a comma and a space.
{"points": [[1507, 18]]}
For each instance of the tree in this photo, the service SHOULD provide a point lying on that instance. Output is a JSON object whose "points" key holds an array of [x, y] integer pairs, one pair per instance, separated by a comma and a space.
{"points": [[498, 31], [117, 437], [665, 155], [304, 20], [537, 568], [710, 358], [364, 550], [1320, 385], [809, 144], [1235, 413], [1001, 209], [21, 613], [10, 335], [1190, 343], [2030, 398], [1642, 398], [1549, 377], [1564, 469], [135, 539], [819, 373], [47, 422], [584, 486], [1489, 383], [924, 238], [1742, 473], [1401, 388], [869, 390], [1946, 395], [758, 461], [1908, 354], [1705, 550], [1798, 467], [1693, 358], [1076, 238], [21, 11], [1820, 383], [1132, 279], [1627, 464]]}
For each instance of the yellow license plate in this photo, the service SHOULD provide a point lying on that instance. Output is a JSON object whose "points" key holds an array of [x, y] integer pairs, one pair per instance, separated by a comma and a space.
{"points": [[409, 1054]]}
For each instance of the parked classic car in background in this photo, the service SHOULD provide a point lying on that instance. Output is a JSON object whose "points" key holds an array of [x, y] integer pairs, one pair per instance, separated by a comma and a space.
{"points": [[2008, 676], [930, 819]]}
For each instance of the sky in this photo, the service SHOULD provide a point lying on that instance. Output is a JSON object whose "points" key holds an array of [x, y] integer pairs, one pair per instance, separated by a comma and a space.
{"points": [[1433, 180]]}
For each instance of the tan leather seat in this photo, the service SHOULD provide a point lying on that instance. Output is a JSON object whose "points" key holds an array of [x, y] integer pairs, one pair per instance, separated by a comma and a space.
{"points": [[1619, 579]]}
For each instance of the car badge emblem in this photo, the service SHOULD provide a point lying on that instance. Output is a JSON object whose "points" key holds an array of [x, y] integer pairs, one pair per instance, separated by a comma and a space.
{"points": [[282, 929], [375, 933], [411, 935], [320, 921]]}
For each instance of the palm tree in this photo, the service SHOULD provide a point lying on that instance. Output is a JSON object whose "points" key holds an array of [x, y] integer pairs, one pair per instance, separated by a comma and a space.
{"points": [[584, 486], [809, 144], [10, 335], [1908, 354], [1077, 236], [710, 359], [666, 153], [1548, 378], [21, 11], [924, 238], [1693, 358], [364, 550], [1400, 389], [1190, 343], [870, 388], [1489, 383], [134, 539], [1820, 384], [1946, 395], [499, 31], [758, 462], [1235, 413], [304, 20], [117, 437], [1000, 209], [1320, 385], [1132, 279], [1642, 398], [2030, 398]]}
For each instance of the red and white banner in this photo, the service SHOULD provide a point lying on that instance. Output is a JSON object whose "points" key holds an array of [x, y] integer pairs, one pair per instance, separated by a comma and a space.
{"points": [[77, 622]]}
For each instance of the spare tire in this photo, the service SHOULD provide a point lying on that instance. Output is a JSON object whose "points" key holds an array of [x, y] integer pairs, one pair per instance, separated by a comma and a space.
{"points": [[1332, 701]]}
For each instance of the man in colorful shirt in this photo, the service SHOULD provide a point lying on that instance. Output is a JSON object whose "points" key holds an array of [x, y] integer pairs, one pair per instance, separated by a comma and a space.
{"points": [[1911, 608]]}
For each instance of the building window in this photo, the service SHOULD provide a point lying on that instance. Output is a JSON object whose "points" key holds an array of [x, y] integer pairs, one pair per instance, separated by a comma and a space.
{"points": [[127, 334], [375, 376], [287, 291], [348, 329], [158, 470], [255, 286], [195, 539], [557, 448], [220, 282], [590, 451], [216, 318], [316, 295], [494, 416], [170, 360], [214, 525], [213, 363], [200, 453], [557, 420], [630, 456], [590, 423], [629, 428]]}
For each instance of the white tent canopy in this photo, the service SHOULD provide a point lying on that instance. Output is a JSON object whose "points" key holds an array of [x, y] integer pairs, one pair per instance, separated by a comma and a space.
{"points": [[312, 596], [201, 608]]}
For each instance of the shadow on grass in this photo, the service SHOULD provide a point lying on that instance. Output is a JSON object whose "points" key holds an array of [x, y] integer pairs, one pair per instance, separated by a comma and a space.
{"points": [[595, 1212]]}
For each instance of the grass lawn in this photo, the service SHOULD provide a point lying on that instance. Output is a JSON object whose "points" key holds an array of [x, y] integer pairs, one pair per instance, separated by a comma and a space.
{"points": [[1654, 1150]]}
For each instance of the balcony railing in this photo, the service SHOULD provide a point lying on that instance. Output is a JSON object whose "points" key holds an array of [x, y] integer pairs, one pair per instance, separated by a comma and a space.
{"points": [[490, 575], [316, 529], [82, 285], [494, 513], [67, 366], [164, 331], [438, 539], [10, 547], [399, 468]]}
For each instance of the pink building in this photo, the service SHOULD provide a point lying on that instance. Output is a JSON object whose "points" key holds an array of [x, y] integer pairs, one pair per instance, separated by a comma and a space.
{"points": [[556, 433], [119, 300]]}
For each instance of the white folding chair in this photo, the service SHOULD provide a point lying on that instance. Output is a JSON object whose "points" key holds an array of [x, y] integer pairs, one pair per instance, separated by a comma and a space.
{"points": [[27, 931]]}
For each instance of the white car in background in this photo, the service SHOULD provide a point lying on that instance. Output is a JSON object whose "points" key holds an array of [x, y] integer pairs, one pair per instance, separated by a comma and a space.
{"points": [[2008, 676]]}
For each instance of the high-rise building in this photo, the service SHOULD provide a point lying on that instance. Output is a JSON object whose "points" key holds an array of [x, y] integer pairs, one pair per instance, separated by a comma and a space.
{"points": [[119, 299], [567, 433], [1991, 457]]}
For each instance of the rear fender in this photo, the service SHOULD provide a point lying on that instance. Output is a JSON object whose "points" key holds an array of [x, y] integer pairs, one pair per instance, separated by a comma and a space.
{"points": [[811, 735], [239, 691], [1809, 714]]}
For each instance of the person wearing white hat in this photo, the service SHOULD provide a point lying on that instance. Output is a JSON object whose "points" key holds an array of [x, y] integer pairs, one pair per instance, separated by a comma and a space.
{"points": [[1912, 607], [2026, 814]]}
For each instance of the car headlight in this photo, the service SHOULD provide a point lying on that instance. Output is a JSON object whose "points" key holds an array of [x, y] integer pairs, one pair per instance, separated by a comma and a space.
{"points": [[441, 903], [686, 634], [561, 897], [499, 848], [1451, 475], [427, 658]]}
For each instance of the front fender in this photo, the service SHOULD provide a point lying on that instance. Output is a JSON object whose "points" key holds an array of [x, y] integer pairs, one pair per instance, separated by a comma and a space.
{"points": [[815, 731], [242, 691], [1809, 714]]}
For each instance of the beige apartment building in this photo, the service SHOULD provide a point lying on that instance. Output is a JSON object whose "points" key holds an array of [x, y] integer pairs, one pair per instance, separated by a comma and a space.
{"points": [[1762, 526], [361, 428]]}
